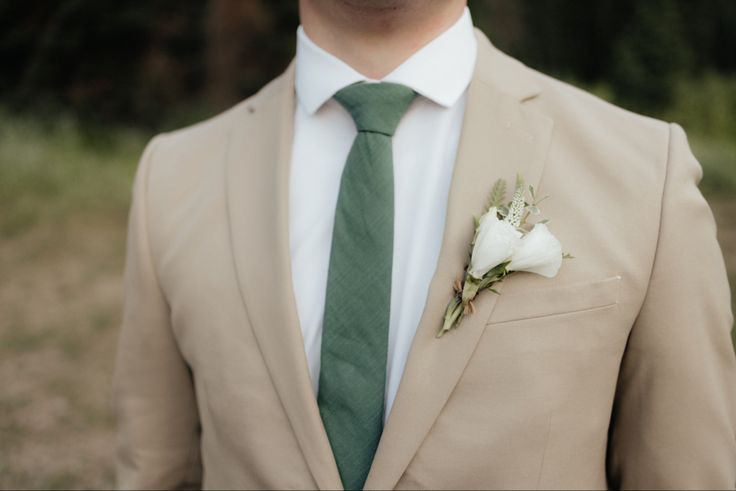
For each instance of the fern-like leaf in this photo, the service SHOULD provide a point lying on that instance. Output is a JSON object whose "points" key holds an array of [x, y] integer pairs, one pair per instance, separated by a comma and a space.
{"points": [[498, 195], [519, 183]]}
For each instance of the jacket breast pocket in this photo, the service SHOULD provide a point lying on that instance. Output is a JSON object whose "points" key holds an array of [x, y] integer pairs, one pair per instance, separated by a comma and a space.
{"points": [[556, 300], [549, 337]]}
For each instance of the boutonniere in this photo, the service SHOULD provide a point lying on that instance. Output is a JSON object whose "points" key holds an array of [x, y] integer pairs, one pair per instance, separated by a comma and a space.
{"points": [[504, 243]]}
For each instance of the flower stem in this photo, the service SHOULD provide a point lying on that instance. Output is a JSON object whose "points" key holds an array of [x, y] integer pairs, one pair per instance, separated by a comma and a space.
{"points": [[453, 315], [470, 289]]}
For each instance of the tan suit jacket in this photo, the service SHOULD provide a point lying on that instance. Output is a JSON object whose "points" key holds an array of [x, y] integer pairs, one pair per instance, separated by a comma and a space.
{"points": [[617, 373]]}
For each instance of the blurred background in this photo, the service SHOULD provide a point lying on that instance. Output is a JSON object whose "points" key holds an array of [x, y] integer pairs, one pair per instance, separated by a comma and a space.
{"points": [[85, 83]]}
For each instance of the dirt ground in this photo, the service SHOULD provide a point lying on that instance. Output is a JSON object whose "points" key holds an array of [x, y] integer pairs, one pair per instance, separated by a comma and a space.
{"points": [[59, 316]]}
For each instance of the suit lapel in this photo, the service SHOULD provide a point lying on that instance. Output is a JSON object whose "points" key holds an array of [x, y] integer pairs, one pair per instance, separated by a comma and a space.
{"points": [[500, 139], [257, 188]]}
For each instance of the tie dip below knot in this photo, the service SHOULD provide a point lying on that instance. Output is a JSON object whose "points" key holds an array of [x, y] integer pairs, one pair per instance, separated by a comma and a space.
{"points": [[376, 107]]}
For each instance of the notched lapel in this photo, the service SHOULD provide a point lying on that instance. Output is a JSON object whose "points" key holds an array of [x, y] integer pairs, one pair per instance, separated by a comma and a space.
{"points": [[500, 139], [257, 186]]}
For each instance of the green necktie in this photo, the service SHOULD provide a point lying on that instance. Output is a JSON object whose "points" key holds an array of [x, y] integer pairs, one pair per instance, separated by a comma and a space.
{"points": [[355, 328]]}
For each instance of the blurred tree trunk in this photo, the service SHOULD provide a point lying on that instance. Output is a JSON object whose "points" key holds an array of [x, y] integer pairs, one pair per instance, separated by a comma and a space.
{"points": [[232, 28]]}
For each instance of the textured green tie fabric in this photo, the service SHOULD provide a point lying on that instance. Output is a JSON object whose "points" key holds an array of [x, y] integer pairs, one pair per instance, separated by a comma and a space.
{"points": [[355, 327]]}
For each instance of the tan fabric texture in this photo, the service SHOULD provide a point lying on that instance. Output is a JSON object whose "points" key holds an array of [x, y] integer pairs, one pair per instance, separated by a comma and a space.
{"points": [[617, 373]]}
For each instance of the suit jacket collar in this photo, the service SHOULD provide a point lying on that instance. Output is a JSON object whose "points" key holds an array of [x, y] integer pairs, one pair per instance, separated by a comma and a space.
{"points": [[501, 137]]}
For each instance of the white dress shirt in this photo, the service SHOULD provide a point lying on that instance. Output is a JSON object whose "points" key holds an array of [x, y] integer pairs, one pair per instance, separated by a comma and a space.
{"points": [[424, 149]]}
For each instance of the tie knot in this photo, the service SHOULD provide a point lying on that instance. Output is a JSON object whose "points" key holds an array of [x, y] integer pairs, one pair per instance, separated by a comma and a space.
{"points": [[376, 107]]}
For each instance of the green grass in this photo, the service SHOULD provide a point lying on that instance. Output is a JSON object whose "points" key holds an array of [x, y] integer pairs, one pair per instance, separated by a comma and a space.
{"points": [[50, 170], [706, 109], [718, 158], [706, 106]]}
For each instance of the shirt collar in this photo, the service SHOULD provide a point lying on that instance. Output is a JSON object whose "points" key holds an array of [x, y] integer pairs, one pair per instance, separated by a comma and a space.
{"points": [[440, 71]]}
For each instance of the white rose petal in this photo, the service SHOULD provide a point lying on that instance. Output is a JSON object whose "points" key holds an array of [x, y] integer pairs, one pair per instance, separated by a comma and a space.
{"points": [[495, 243], [538, 252]]}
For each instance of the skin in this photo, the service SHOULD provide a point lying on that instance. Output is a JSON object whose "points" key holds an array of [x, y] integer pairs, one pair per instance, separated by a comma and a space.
{"points": [[376, 36]]}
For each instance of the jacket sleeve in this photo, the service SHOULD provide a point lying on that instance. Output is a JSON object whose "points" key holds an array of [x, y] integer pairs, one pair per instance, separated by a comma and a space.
{"points": [[674, 418], [157, 420]]}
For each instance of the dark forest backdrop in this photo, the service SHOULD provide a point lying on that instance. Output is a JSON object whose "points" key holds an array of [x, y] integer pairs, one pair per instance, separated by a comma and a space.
{"points": [[146, 62]]}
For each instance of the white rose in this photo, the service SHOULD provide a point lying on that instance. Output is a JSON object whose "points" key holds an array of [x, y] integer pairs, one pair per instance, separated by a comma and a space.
{"points": [[538, 252], [495, 243]]}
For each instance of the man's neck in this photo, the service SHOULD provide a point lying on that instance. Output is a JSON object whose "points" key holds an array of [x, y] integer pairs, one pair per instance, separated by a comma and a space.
{"points": [[376, 36]]}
